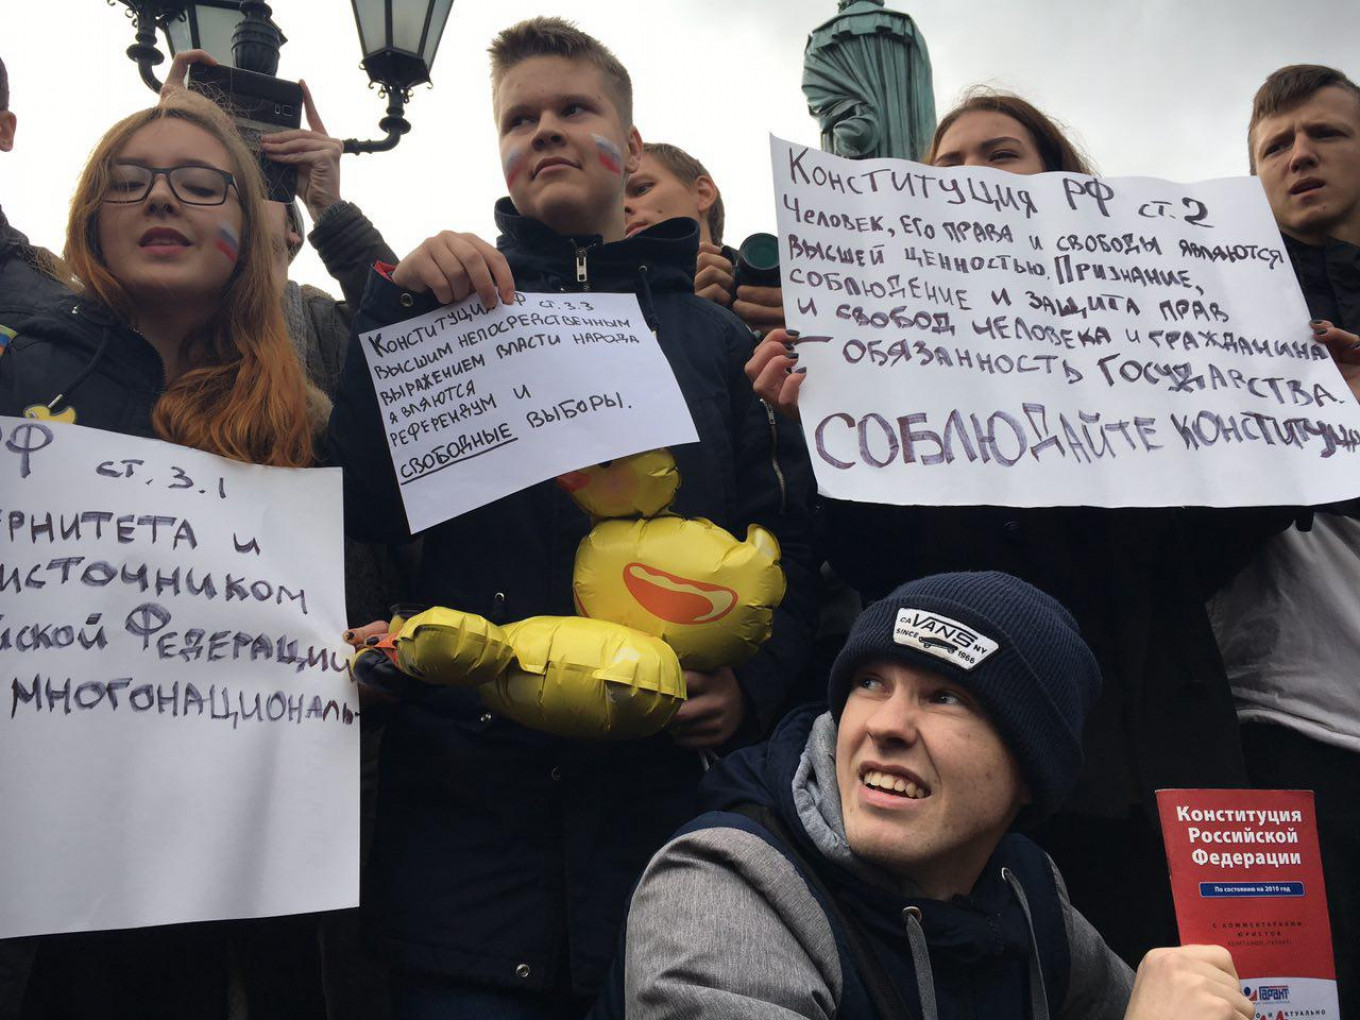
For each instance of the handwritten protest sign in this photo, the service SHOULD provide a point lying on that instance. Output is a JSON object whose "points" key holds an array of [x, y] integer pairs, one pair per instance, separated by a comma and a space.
{"points": [[178, 734], [479, 403], [978, 337]]}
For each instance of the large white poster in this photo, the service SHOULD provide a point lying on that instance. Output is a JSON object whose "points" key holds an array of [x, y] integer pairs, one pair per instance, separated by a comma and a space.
{"points": [[977, 337], [178, 733], [478, 403]]}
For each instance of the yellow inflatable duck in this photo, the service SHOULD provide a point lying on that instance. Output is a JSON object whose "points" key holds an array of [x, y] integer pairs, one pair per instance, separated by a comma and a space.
{"points": [[683, 579], [657, 594]]}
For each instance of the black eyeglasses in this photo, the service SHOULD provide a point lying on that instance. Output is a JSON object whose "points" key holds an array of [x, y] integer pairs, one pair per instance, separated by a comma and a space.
{"points": [[193, 185]]}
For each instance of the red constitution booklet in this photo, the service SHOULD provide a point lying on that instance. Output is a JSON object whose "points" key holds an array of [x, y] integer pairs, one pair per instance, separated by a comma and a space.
{"points": [[1246, 875]]}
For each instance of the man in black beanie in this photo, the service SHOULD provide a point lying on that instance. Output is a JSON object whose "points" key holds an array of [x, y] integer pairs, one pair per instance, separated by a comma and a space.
{"points": [[861, 863]]}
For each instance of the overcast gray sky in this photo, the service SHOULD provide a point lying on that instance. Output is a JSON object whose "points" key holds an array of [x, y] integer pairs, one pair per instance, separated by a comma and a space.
{"points": [[1153, 88]]}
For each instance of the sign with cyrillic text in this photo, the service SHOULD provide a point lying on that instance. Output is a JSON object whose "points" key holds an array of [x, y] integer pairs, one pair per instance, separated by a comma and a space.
{"points": [[478, 403], [1246, 875], [973, 336], [179, 737]]}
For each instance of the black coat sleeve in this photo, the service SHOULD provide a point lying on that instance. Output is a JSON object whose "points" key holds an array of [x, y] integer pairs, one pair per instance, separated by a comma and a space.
{"points": [[357, 440], [1221, 541], [775, 490], [349, 244]]}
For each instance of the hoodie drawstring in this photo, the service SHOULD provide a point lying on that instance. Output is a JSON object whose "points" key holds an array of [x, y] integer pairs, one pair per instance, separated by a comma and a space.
{"points": [[1038, 995], [105, 334], [648, 307], [920, 958]]}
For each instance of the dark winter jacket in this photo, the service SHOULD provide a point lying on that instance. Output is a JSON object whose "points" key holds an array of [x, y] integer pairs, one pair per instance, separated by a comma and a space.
{"points": [[504, 855], [318, 324], [1330, 277], [319, 327], [28, 280], [733, 919], [76, 356]]}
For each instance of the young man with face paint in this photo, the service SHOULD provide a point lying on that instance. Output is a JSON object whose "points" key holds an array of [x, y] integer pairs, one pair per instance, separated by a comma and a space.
{"points": [[861, 865], [670, 182], [503, 855]]}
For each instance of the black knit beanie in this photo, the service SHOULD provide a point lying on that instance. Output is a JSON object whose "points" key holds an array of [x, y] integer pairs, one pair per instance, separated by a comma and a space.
{"points": [[1006, 642]]}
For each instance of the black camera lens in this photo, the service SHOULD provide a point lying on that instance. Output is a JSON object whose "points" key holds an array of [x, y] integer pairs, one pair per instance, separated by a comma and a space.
{"points": [[758, 261]]}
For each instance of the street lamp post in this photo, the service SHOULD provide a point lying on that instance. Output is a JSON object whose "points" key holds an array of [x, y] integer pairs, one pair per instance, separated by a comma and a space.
{"points": [[147, 15], [205, 25], [399, 40], [255, 42]]}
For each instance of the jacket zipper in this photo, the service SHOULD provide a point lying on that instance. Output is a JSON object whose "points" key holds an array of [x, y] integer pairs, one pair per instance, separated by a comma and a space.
{"points": [[774, 458], [582, 276]]}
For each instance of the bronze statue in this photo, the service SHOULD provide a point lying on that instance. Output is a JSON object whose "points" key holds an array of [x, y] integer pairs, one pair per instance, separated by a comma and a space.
{"points": [[866, 76]]}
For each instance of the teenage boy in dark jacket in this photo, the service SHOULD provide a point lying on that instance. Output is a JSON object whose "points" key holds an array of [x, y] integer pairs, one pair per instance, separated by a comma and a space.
{"points": [[504, 856], [860, 865]]}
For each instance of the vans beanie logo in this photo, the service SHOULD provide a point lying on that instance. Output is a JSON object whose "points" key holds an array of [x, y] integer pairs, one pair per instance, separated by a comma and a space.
{"points": [[942, 637]]}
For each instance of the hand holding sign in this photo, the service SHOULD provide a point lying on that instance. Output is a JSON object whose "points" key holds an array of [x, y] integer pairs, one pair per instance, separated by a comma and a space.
{"points": [[452, 266], [1344, 348], [775, 373]]}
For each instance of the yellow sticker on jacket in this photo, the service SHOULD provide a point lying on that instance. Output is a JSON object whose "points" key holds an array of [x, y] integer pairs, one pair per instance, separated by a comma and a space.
{"points": [[40, 412]]}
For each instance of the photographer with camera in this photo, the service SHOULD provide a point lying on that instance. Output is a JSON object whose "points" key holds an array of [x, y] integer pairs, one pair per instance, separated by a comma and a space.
{"points": [[669, 183]]}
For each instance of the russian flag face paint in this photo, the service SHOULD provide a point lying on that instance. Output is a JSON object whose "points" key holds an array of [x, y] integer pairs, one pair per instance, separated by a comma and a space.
{"points": [[515, 162], [228, 243], [611, 158]]}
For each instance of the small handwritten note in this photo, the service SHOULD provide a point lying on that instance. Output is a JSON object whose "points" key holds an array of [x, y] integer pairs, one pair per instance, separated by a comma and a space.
{"points": [[179, 736], [978, 337], [479, 403]]}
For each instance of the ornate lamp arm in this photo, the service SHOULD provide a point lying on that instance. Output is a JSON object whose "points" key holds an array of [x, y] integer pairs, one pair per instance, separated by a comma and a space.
{"points": [[395, 124], [144, 50]]}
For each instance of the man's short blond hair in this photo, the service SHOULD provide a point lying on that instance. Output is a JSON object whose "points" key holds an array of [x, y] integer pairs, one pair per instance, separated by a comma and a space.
{"points": [[687, 170], [557, 37]]}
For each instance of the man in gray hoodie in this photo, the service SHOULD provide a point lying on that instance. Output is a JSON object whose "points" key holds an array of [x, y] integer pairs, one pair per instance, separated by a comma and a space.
{"points": [[860, 864]]}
